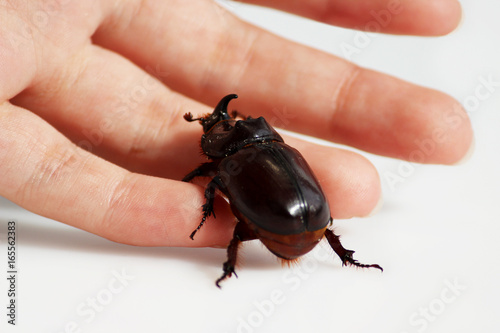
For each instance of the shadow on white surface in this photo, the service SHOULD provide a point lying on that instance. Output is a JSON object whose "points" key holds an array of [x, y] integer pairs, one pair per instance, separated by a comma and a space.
{"points": [[39, 232]]}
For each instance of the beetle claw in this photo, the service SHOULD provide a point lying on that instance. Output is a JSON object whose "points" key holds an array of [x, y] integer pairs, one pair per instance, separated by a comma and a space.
{"points": [[344, 254], [228, 272], [199, 226], [349, 260], [192, 234], [217, 283]]}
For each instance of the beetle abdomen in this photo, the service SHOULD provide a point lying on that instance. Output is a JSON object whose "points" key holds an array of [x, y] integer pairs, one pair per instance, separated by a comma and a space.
{"points": [[276, 189]]}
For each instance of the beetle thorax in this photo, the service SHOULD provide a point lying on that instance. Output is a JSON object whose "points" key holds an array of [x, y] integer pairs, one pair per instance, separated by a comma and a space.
{"points": [[229, 136]]}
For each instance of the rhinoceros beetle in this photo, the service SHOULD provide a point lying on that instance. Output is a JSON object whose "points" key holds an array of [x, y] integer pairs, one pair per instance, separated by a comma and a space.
{"points": [[271, 189]]}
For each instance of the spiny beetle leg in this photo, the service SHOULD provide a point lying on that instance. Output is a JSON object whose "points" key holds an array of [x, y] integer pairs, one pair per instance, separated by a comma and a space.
{"points": [[208, 207], [241, 234], [204, 170], [232, 255], [344, 254]]}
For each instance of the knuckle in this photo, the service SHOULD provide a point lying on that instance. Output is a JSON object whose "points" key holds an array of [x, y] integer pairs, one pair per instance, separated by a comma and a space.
{"points": [[51, 169]]}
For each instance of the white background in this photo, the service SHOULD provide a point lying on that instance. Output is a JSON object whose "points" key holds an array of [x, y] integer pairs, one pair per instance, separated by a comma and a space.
{"points": [[437, 235]]}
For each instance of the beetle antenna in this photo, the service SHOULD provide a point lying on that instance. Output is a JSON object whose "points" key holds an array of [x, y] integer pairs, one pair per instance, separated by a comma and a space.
{"points": [[189, 117]]}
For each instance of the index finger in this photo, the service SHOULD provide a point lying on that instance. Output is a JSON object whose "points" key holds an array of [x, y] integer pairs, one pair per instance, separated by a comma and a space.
{"points": [[49, 175]]}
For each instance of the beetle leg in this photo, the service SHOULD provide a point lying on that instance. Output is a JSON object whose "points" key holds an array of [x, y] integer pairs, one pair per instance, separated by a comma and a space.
{"points": [[344, 254], [208, 207], [206, 169], [228, 266], [241, 233]]}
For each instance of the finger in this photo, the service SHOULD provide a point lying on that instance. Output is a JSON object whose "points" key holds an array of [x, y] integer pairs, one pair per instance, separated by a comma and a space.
{"points": [[47, 174], [86, 96], [62, 182], [17, 55], [426, 18], [118, 111], [350, 181], [304, 90], [36, 36]]}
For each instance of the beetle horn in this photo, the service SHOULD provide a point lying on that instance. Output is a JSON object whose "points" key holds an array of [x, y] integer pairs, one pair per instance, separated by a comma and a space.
{"points": [[220, 113], [221, 108]]}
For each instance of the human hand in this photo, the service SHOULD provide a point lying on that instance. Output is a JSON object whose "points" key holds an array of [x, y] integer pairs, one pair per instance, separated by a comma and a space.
{"points": [[93, 95]]}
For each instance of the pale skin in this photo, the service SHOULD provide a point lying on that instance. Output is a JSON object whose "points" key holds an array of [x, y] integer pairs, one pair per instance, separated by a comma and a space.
{"points": [[115, 77]]}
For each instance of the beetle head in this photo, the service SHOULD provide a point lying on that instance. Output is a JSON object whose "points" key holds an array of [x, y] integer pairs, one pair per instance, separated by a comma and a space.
{"points": [[224, 135]]}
